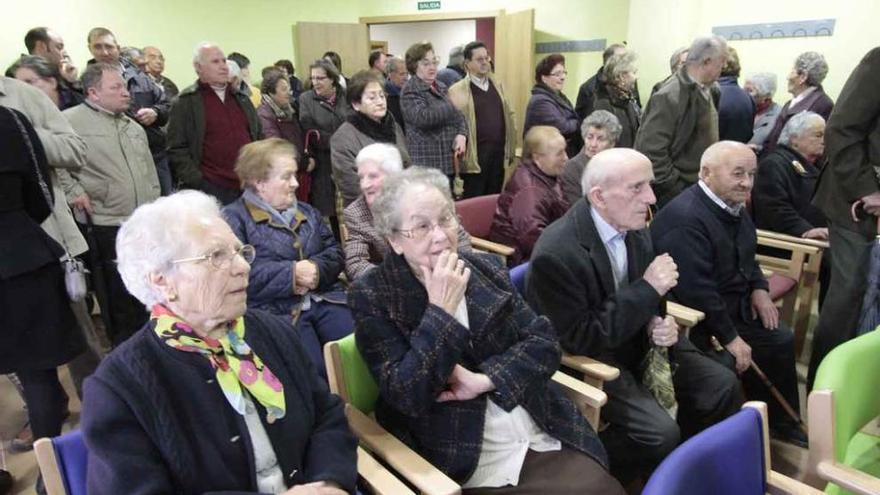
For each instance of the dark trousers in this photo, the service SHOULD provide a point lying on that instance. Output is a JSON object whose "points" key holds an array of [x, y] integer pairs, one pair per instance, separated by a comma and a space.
{"points": [[490, 180], [839, 315], [641, 433], [163, 170], [224, 195], [126, 314], [46, 401], [323, 322], [773, 352]]}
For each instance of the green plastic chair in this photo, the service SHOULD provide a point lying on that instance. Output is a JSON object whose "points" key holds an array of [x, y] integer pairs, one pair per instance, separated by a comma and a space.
{"points": [[349, 376], [845, 399]]}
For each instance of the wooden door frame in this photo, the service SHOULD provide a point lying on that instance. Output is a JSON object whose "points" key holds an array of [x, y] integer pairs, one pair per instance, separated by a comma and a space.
{"points": [[445, 16]]}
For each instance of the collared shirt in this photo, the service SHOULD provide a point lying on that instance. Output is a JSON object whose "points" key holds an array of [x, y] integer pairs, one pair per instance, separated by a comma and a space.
{"points": [[507, 438], [615, 245], [733, 210], [797, 99], [270, 479], [482, 83]]}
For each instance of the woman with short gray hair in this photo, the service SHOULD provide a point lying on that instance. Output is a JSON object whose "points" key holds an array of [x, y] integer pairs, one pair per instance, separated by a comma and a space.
{"points": [[208, 396], [616, 94], [601, 130], [761, 87], [461, 360], [805, 85]]}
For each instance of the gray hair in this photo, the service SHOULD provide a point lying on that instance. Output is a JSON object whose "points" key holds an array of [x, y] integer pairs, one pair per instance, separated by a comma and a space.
{"points": [[602, 119], [619, 64], [764, 83], [234, 69], [797, 125], [387, 156], [812, 64], [94, 74], [386, 207], [391, 65], [456, 56], [197, 51], [130, 53], [676, 56], [706, 48], [157, 233], [604, 167]]}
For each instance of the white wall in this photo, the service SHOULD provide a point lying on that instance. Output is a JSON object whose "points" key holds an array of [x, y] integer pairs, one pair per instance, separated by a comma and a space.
{"points": [[442, 34]]}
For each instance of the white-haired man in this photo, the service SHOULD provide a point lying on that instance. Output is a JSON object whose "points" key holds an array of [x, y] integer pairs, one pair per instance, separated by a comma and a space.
{"points": [[594, 273], [209, 123], [681, 119]]}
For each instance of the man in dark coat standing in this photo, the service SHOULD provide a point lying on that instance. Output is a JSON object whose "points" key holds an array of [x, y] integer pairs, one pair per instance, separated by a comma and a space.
{"points": [[713, 241], [586, 99], [594, 274], [852, 144]]}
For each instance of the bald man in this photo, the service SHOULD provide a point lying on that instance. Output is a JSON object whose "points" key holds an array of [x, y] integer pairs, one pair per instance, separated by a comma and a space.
{"points": [[713, 240], [595, 274]]}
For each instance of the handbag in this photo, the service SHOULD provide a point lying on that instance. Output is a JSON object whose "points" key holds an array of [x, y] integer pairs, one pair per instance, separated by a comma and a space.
{"points": [[74, 269]]}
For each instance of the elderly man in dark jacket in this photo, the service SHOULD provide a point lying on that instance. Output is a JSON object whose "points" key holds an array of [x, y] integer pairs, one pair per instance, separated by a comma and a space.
{"points": [[853, 149], [681, 119], [209, 124], [595, 275], [707, 232]]}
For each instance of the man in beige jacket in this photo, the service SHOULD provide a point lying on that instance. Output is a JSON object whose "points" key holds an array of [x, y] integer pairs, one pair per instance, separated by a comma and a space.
{"points": [[118, 176], [491, 131]]}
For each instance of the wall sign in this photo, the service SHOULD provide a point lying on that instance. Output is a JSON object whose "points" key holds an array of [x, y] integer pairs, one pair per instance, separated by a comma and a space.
{"points": [[791, 29], [597, 45], [429, 5]]}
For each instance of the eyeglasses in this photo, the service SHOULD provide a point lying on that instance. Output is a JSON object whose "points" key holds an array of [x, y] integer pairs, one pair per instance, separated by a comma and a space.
{"points": [[429, 62], [423, 228], [559, 73], [222, 258], [318, 78], [374, 97], [482, 60]]}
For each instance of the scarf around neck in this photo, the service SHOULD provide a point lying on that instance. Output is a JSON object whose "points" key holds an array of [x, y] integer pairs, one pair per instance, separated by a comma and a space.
{"points": [[283, 217], [281, 113], [381, 132], [234, 362]]}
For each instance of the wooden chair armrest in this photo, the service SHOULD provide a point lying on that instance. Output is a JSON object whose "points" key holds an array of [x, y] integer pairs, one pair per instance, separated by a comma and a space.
{"points": [[48, 463], [410, 465], [779, 484], [590, 367], [769, 234], [590, 395], [491, 247], [380, 480], [849, 478], [788, 245], [684, 316]]}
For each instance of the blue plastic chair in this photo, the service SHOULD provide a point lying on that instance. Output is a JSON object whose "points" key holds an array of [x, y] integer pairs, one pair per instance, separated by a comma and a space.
{"points": [[518, 277], [63, 463], [729, 458]]}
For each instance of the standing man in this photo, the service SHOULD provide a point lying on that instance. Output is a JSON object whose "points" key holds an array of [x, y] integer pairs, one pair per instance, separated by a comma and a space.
{"points": [[209, 124], [44, 42], [453, 72], [119, 175], [490, 124], [396, 76], [852, 144], [149, 105], [681, 119], [587, 92], [377, 62], [155, 68]]}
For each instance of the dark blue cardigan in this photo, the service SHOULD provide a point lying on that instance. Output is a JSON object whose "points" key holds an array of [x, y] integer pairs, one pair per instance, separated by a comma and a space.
{"points": [[155, 421]]}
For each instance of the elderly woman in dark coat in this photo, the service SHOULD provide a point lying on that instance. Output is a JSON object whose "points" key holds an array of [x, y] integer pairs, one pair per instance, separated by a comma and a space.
{"points": [[463, 365], [616, 93], [322, 110], [549, 105], [435, 129], [296, 270], [278, 117], [209, 396], [369, 123], [600, 130]]}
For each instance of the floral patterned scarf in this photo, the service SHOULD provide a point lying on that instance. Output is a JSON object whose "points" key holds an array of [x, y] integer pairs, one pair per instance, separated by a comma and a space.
{"points": [[234, 362]]}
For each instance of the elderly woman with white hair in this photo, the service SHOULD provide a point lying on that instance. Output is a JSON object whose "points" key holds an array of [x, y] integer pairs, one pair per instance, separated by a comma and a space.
{"points": [[616, 93], [761, 87], [601, 130], [208, 396], [364, 247], [805, 86], [462, 363]]}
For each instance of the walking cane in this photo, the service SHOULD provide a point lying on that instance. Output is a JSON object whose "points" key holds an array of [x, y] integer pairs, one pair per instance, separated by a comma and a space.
{"points": [[773, 390]]}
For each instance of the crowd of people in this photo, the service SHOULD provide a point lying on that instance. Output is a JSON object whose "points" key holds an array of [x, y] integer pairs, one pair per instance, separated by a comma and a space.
{"points": [[233, 228]]}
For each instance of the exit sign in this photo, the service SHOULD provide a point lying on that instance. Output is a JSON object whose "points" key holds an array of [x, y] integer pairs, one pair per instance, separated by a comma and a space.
{"points": [[429, 5]]}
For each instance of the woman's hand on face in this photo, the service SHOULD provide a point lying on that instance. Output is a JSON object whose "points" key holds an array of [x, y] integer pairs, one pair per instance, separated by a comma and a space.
{"points": [[447, 282], [465, 385], [316, 488], [306, 275], [459, 145]]}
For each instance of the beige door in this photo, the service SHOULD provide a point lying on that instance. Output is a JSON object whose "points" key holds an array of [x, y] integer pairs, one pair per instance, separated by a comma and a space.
{"points": [[515, 59], [312, 39]]}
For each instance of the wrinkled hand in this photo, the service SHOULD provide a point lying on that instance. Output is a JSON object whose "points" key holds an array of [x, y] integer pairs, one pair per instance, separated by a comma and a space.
{"points": [[316, 488], [83, 202], [763, 307], [459, 144], [305, 275], [662, 274], [741, 352], [663, 331], [311, 166], [465, 385], [871, 203], [820, 233], [447, 282], [146, 116]]}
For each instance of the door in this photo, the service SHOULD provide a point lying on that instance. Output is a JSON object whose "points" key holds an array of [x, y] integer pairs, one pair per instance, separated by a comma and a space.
{"points": [[312, 39], [515, 60]]}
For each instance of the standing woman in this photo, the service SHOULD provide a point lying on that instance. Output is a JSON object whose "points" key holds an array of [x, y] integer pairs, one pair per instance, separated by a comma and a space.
{"points": [[38, 72], [40, 331], [435, 129], [322, 109], [278, 118], [549, 105], [617, 94]]}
